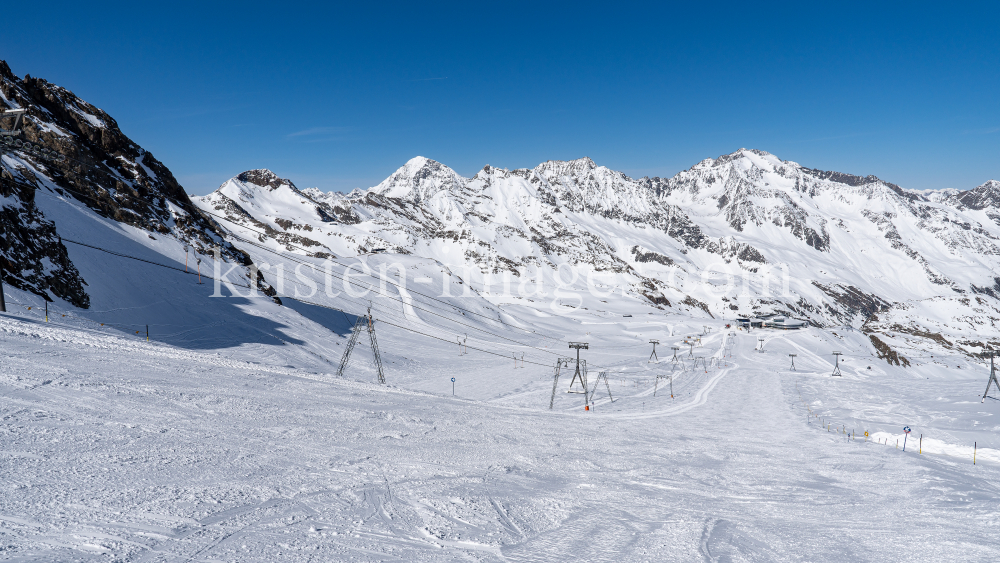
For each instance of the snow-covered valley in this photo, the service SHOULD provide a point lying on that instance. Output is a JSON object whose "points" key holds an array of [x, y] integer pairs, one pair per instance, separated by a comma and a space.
{"points": [[149, 452]]}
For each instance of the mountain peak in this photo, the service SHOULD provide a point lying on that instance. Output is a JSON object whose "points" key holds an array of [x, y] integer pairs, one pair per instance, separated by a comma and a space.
{"points": [[264, 178], [986, 195], [419, 179]]}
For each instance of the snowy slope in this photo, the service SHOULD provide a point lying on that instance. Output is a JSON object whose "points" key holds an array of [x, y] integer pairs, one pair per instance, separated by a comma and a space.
{"points": [[118, 449]]}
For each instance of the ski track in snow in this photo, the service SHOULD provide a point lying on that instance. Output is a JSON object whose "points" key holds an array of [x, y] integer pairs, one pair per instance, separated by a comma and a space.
{"points": [[147, 452]]}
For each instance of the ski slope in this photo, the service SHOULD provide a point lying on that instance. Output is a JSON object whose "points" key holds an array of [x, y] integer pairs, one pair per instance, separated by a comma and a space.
{"points": [[118, 449]]}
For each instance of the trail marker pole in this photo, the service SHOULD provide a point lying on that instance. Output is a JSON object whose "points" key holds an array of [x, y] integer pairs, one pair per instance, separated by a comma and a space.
{"points": [[836, 365], [453, 387], [671, 386], [920, 449], [793, 361], [906, 434], [147, 333], [199, 271], [974, 447], [46, 311], [993, 378], [653, 355]]}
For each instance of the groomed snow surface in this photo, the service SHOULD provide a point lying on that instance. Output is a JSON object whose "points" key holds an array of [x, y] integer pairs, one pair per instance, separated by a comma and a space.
{"points": [[115, 449]]}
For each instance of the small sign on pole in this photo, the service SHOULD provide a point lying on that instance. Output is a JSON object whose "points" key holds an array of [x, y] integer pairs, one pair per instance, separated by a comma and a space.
{"points": [[906, 433], [453, 387]]}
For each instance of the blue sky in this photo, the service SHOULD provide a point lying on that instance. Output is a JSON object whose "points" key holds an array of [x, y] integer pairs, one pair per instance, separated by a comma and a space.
{"points": [[340, 95]]}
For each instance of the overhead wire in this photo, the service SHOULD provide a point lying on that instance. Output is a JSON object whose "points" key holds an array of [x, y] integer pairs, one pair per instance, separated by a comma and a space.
{"points": [[446, 304], [368, 288], [299, 299], [296, 259], [432, 298]]}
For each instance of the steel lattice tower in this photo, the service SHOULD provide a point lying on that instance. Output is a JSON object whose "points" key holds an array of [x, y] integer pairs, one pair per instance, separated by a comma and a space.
{"points": [[364, 321], [993, 378]]}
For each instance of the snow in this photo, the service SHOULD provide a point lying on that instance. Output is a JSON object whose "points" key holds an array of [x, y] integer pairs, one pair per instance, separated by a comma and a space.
{"points": [[115, 447], [228, 436]]}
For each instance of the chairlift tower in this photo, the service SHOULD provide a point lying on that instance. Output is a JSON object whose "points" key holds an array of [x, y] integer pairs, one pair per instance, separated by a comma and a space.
{"points": [[836, 365], [364, 321], [18, 115], [675, 359], [603, 376], [581, 374], [761, 340], [993, 378], [653, 355], [657, 383], [792, 356], [690, 342]]}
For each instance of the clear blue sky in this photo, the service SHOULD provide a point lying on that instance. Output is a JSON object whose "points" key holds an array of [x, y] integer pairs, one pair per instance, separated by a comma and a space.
{"points": [[340, 95]]}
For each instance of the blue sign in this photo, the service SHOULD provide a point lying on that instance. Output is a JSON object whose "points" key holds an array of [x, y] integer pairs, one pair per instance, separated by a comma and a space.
{"points": [[453, 381], [906, 429]]}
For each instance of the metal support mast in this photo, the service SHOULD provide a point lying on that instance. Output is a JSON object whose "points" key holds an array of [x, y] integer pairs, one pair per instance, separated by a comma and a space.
{"points": [[3, 302], [363, 322], [836, 365], [581, 374], [792, 356], [560, 363], [603, 376], [653, 356], [350, 346], [18, 115], [993, 378], [375, 352], [675, 359]]}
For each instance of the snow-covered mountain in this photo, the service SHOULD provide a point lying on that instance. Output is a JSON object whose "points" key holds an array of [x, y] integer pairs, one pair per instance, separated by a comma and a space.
{"points": [[852, 249], [743, 234]]}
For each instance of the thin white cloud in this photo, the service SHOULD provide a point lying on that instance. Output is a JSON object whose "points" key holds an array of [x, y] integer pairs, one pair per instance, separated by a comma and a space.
{"points": [[313, 131]]}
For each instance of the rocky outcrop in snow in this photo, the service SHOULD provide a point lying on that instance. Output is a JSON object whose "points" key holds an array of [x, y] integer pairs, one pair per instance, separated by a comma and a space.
{"points": [[102, 169]]}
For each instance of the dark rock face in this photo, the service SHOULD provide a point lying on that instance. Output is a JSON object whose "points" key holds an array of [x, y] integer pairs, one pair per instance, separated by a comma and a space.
{"points": [[34, 259], [852, 300], [103, 169], [986, 196], [264, 178]]}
